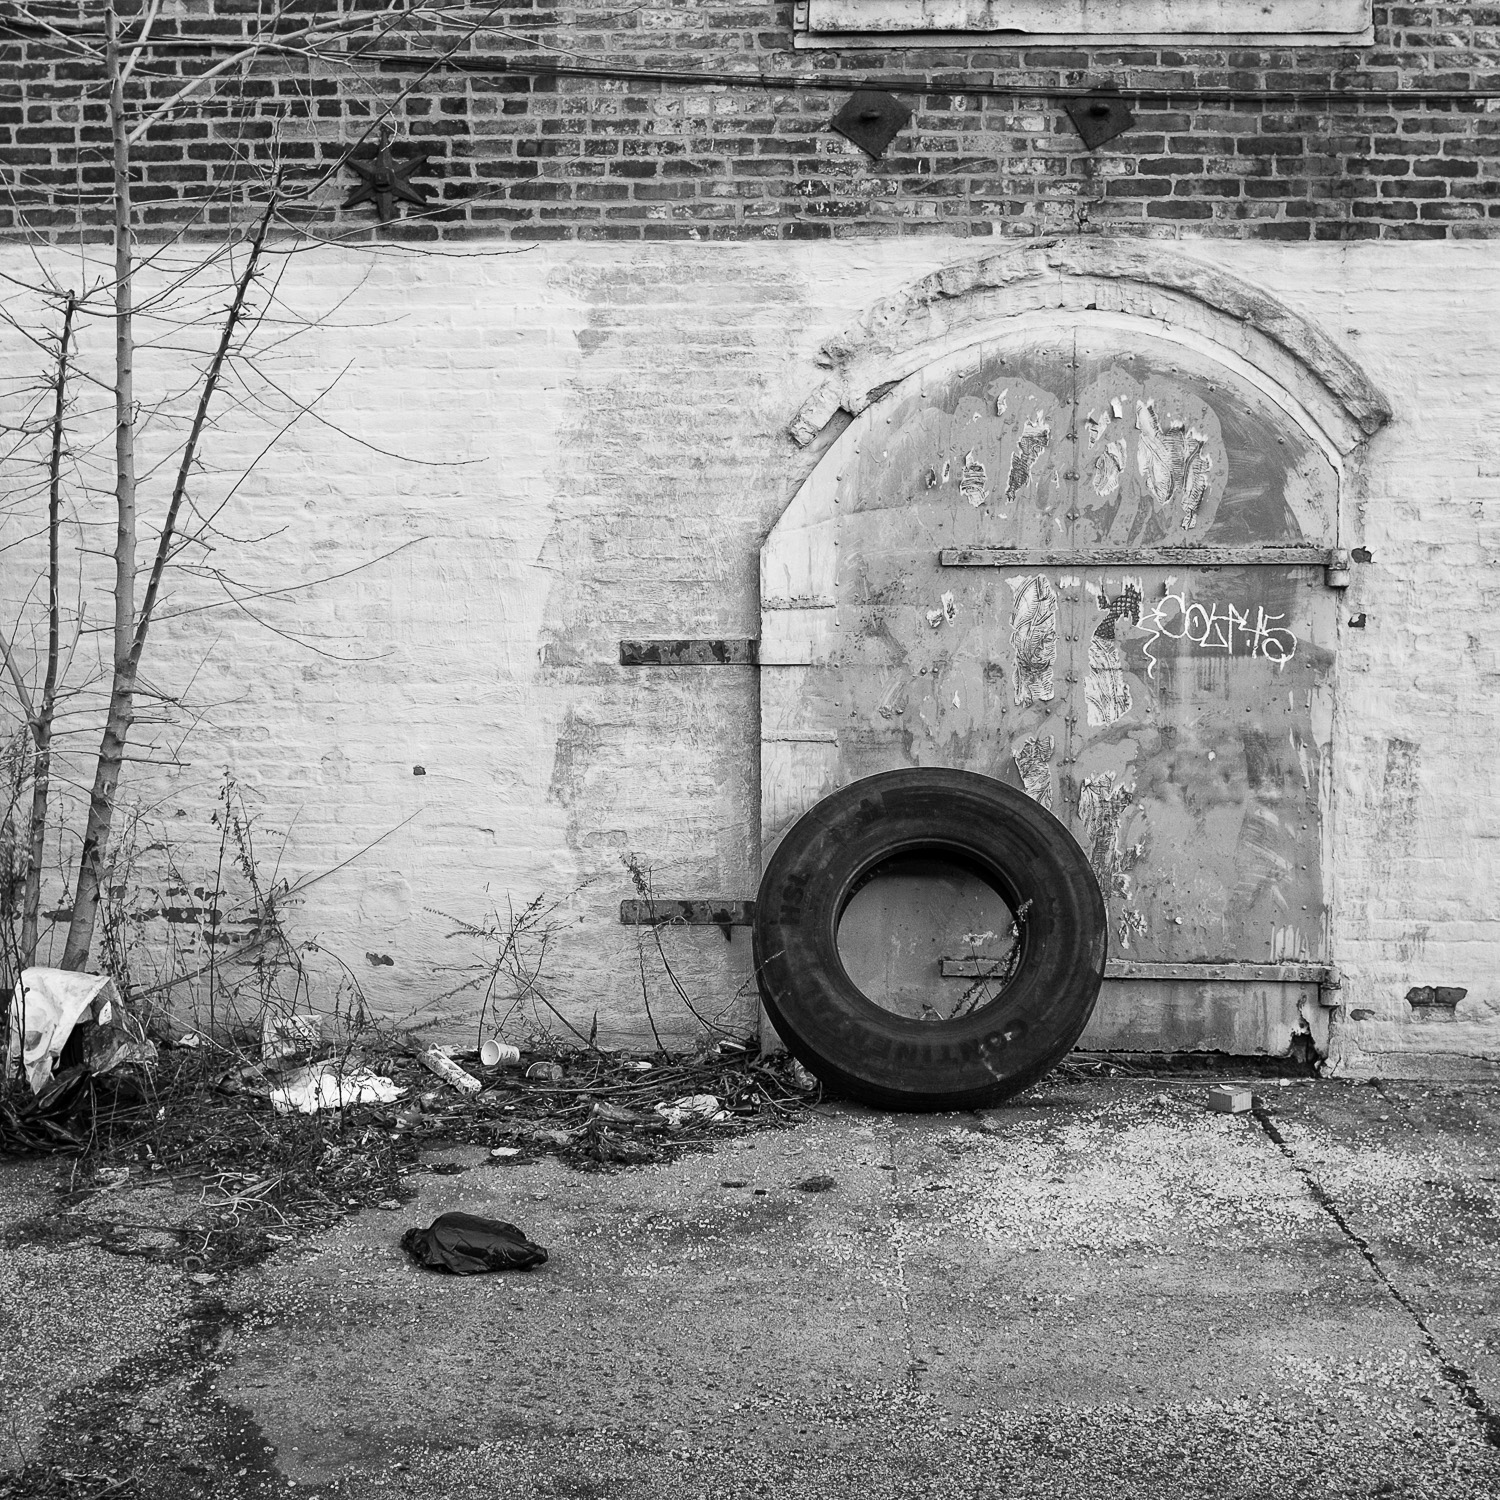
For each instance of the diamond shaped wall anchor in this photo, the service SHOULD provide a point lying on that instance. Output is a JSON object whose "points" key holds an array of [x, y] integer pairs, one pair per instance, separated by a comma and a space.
{"points": [[872, 120], [1098, 118]]}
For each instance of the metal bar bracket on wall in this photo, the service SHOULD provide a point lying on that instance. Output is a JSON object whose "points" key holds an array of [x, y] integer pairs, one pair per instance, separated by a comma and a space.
{"points": [[732, 651], [711, 912]]}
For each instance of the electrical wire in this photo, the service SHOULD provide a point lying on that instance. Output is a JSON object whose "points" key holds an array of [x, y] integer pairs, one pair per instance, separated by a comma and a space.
{"points": [[490, 63], [824, 82]]}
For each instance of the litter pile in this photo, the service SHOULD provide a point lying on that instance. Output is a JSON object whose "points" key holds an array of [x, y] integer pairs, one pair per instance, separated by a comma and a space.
{"points": [[591, 1107], [238, 1151], [598, 1110]]}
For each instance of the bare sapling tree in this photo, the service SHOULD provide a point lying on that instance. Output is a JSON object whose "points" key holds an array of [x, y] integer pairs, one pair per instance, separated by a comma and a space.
{"points": [[41, 719], [132, 622], [41, 711], [261, 198]]}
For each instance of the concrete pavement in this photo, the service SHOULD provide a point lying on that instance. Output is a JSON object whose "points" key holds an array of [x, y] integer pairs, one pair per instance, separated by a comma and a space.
{"points": [[1099, 1290]]}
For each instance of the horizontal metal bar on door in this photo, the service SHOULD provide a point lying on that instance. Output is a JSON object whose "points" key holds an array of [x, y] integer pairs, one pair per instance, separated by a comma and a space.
{"points": [[720, 912], [1115, 968], [733, 651], [1142, 557]]}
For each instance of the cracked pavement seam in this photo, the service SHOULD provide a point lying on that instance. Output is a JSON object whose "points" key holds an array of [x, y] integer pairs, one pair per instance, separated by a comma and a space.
{"points": [[1456, 1376]]}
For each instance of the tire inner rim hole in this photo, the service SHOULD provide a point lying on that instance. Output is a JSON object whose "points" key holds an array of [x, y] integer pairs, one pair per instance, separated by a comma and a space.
{"points": [[927, 936]]}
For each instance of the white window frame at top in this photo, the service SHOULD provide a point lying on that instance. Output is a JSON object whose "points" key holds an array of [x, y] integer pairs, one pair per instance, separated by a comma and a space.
{"points": [[1022, 23]]}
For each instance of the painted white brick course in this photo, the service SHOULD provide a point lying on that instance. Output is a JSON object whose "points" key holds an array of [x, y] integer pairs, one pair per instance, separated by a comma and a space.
{"points": [[602, 447]]}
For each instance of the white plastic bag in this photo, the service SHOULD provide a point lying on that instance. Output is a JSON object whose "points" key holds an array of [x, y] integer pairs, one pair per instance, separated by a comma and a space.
{"points": [[692, 1107], [324, 1085], [50, 1003]]}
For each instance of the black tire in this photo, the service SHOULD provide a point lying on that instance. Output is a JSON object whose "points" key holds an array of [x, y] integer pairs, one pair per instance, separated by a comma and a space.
{"points": [[866, 1052]]}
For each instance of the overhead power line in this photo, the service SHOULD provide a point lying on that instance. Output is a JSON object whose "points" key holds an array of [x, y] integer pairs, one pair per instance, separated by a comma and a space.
{"points": [[494, 63], [538, 66]]}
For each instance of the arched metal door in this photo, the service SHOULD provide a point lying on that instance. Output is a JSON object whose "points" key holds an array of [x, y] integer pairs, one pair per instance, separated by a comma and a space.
{"points": [[1091, 563]]}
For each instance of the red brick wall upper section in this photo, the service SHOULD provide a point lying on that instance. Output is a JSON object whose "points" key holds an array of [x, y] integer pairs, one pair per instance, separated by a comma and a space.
{"points": [[530, 158]]}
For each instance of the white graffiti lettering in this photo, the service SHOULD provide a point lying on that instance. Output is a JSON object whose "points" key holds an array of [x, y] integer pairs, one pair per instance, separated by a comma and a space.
{"points": [[1216, 627]]}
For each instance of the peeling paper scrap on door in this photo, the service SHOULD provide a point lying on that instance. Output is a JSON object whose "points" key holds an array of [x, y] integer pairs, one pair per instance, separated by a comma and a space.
{"points": [[1173, 460], [946, 611], [1033, 639], [1033, 757], [1106, 689], [972, 481], [1030, 446], [1101, 807]]}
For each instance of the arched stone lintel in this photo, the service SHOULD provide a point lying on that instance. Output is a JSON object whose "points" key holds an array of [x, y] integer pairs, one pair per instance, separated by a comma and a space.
{"points": [[959, 304]]}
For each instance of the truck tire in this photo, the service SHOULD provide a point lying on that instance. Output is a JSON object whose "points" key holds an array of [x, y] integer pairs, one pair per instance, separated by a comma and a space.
{"points": [[872, 1054]]}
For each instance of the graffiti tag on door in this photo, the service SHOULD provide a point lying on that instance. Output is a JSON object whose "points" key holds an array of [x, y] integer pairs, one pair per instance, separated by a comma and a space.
{"points": [[1216, 626]]}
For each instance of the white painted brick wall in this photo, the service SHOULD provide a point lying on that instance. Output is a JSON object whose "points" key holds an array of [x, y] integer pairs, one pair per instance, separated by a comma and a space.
{"points": [[602, 440]]}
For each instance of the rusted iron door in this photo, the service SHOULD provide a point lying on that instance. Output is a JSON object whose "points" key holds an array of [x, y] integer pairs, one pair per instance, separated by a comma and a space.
{"points": [[1091, 565]]}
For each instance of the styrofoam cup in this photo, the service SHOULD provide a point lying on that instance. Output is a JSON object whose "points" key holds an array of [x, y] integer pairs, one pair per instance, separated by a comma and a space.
{"points": [[492, 1054]]}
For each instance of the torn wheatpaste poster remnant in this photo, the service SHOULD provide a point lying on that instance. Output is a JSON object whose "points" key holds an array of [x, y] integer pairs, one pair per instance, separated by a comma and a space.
{"points": [[1173, 460], [1106, 689], [945, 611], [1101, 806], [972, 481], [1028, 449], [1033, 639], [1033, 758], [1132, 924], [1108, 467]]}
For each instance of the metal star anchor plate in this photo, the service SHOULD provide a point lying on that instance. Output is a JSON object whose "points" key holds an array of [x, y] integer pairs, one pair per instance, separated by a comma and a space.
{"points": [[384, 179]]}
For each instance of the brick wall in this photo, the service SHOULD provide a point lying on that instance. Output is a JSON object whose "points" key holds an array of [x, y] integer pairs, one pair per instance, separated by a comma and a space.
{"points": [[451, 728], [532, 158], [621, 413]]}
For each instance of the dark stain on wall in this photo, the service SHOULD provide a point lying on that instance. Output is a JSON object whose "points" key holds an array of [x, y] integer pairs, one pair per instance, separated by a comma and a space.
{"points": [[577, 743]]}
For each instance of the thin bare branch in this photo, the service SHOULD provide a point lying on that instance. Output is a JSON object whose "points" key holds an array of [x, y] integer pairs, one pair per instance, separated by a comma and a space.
{"points": [[137, 48], [190, 448], [41, 773], [28, 706], [290, 588], [261, 45]]}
